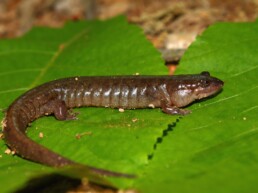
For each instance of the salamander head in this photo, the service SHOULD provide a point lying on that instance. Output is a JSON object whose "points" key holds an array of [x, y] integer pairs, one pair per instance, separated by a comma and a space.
{"points": [[196, 87], [207, 86]]}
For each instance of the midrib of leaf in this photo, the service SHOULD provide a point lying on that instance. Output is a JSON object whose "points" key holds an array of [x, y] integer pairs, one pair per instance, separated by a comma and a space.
{"points": [[60, 50]]}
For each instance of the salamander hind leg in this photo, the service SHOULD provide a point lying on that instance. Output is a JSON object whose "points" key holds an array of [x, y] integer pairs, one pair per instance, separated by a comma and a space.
{"points": [[60, 110], [173, 110]]}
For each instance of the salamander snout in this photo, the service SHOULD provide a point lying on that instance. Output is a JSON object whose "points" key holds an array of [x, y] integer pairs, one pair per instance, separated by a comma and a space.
{"points": [[208, 86], [216, 84]]}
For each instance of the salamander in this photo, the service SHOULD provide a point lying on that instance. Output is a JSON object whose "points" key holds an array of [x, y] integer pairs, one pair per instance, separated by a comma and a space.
{"points": [[57, 97]]}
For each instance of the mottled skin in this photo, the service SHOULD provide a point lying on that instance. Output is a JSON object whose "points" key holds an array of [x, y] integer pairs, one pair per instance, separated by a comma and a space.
{"points": [[128, 92]]}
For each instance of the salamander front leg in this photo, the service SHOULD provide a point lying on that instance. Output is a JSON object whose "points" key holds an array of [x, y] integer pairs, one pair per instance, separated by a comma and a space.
{"points": [[173, 110], [60, 110]]}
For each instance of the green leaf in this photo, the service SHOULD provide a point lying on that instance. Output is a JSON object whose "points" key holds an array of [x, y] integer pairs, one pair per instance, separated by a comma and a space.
{"points": [[116, 142], [215, 148]]}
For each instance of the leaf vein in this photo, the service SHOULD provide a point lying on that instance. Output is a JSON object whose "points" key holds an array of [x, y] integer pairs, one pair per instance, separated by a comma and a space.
{"points": [[13, 90], [26, 51], [19, 71], [227, 98], [59, 51]]}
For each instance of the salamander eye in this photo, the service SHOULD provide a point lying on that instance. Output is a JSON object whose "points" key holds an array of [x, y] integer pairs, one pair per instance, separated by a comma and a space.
{"points": [[205, 83], [205, 73]]}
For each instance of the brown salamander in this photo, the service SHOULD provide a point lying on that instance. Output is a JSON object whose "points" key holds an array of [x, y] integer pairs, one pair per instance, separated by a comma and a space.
{"points": [[127, 92]]}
